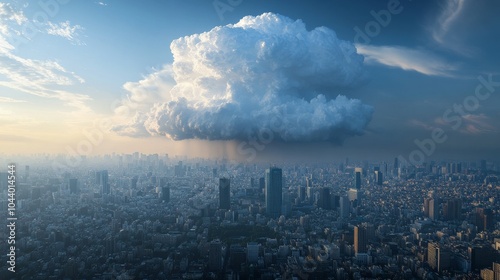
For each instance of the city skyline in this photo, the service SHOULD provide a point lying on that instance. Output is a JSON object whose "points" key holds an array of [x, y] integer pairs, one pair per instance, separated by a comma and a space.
{"points": [[394, 78]]}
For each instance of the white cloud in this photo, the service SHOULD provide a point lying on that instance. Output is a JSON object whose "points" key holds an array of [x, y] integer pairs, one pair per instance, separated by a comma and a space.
{"points": [[10, 100], [43, 78], [407, 59], [65, 30], [235, 80], [448, 16]]}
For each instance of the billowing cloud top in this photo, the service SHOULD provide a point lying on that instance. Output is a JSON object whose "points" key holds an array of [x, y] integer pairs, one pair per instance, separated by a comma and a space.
{"points": [[264, 73]]}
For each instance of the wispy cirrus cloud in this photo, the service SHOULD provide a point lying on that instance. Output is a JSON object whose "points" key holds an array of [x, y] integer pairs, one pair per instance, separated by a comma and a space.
{"points": [[45, 78], [445, 21], [66, 30], [470, 124], [10, 100], [444, 29], [407, 59]]}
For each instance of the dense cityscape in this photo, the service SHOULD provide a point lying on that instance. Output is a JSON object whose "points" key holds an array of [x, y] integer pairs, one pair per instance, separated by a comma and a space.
{"points": [[137, 216]]}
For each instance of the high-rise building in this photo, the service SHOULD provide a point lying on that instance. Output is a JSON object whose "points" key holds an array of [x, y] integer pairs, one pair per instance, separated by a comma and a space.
{"points": [[324, 198], [103, 182], [345, 207], [274, 184], [481, 257], [434, 208], [362, 234], [438, 258], [452, 209], [357, 178], [224, 194], [302, 193], [379, 178], [164, 189], [395, 167], [427, 201], [496, 270], [215, 256], [483, 219]]}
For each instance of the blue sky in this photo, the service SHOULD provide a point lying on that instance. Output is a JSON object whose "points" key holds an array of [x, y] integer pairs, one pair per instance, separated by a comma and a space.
{"points": [[101, 76]]}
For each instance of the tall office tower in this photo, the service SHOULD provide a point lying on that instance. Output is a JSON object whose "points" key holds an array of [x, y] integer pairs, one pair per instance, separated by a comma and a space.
{"points": [[432, 255], [133, 182], [103, 182], [274, 191], [483, 219], [345, 207], [395, 167], [481, 257], [27, 172], [215, 255], [427, 201], [302, 193], [434, 208], [224, 194], [324, 199], [73, 186], [452, 209], [496, 270], [357, 178], [164, 189], [438, 258], [308, 182], [360, 239], [253, 252], [379, 178]]}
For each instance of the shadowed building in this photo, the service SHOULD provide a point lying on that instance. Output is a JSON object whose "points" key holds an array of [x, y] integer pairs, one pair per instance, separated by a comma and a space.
{"points": [[274, 184], [224, 194]]}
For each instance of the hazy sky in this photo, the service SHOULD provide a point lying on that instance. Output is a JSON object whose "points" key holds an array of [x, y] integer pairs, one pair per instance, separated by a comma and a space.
{"points": [[251, 79]]}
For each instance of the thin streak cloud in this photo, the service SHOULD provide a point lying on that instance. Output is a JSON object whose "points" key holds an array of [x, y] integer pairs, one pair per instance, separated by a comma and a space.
{"points": [[407, 59]]}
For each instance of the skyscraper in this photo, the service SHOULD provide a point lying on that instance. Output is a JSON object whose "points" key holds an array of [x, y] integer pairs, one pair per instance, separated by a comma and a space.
{"points": [[103, 182], [274, 186], [395, 167], [224, 194], [360, 239], [164, 190], [438, 258], [379, 178], [452, 209], [434, 208], [357, 178], [324, 199], [345, 207]]}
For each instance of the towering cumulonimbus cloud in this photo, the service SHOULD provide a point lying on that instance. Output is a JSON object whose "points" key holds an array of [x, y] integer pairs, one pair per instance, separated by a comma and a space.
{"points": [[266, 72]]}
